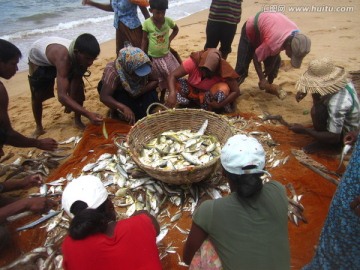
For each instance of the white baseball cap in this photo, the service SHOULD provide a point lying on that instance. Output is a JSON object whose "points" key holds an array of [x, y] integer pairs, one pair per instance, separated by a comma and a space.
{"points": [[86, 188], [241, 151]]}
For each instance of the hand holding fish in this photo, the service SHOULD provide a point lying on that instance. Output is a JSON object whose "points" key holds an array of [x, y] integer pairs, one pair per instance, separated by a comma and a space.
{"points": [[263, 84], [171, 100], [39, 204], [25, 183], [95, 118], [128, 115], [47, 144], [29, 181]]}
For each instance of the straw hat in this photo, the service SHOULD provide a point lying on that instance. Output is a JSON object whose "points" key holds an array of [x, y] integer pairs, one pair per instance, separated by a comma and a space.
{"points": [[322, 77]]}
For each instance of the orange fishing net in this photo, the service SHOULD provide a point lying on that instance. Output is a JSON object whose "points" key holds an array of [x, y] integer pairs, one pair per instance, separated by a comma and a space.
{"points": [[316, 191]]}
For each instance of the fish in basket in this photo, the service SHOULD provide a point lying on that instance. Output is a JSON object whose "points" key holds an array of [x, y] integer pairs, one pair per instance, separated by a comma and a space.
{"points": [[179, 146]]}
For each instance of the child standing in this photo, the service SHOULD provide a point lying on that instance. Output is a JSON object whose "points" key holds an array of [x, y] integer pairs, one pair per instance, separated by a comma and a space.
{"points": [[156, 42]]}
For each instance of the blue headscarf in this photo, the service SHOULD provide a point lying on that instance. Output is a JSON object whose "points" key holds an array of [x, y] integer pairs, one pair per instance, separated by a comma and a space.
{"points": [[129, 59]]}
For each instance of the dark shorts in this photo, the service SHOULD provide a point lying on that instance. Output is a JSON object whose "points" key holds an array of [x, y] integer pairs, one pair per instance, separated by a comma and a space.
{"points": [[42, 83], [124, 33], [139, 104], [319, 116], [245, 55], [219, 32], [3, 136]]}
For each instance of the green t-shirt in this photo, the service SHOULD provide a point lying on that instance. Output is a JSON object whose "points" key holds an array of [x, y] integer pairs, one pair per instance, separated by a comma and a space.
{"points": [[249, 233], [158, 38]]}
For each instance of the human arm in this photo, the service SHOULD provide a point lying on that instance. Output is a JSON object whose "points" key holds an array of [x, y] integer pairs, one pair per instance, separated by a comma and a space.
{"points": [[58, 55], [174, 33], [194, 241], [145, 12], [14, 138], [171, 80], [107, 97], [258, 68], [36, 205], [321, 136], [152, 83], [105, 7], [233, 95], [26, 183], [145, 42], [153, 219], [351, 137]]}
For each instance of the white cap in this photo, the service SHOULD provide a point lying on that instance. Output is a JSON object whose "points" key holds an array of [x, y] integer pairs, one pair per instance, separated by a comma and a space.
{"points": [[86, 188], [241, 151]]}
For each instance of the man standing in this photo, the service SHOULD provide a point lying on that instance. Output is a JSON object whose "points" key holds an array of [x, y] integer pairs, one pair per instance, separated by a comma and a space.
{"points": [[262, 39], [67, 61], [224, 17]]}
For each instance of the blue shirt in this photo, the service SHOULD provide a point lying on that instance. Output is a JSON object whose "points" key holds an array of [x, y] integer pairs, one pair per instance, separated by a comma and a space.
{"points": [[339, 244], [125, 12]]}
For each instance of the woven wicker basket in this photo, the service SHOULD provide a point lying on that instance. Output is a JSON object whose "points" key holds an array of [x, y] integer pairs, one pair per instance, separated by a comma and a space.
{"points": [[177, 119]]}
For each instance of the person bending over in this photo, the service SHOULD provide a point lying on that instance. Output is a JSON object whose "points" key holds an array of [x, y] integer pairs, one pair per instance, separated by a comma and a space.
{"points": [[335, 110], [67, 61], [262, 39], [128, 86], [210, 85]]}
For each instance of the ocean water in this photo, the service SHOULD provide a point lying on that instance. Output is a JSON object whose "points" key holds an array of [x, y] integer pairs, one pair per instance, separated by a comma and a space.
{"points": [[23, 22]]}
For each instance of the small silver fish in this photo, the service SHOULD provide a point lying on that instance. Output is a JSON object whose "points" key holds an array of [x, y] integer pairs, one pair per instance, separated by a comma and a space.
{"points": [[43, 190], [161, 235], [201, 131], [68, 140], [38, 221], [345, 150], [176, 217]]}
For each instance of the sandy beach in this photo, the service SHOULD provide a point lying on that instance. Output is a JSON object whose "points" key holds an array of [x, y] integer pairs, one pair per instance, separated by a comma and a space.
{"points": [[334, 34]]}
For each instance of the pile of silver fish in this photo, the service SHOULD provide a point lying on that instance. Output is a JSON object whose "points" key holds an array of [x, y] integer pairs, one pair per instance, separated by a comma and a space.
{"points": [[181, 149], [32, 163], [131, 189]]}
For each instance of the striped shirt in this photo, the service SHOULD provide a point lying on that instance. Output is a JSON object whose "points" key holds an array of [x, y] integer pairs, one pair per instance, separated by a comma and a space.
{"points": [[110, 75], [344, 111], [227, 11]]}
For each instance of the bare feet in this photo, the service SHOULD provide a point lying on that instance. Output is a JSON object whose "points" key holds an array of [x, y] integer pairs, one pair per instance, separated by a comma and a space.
{"points": [[272, 89], [38, 132]]}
